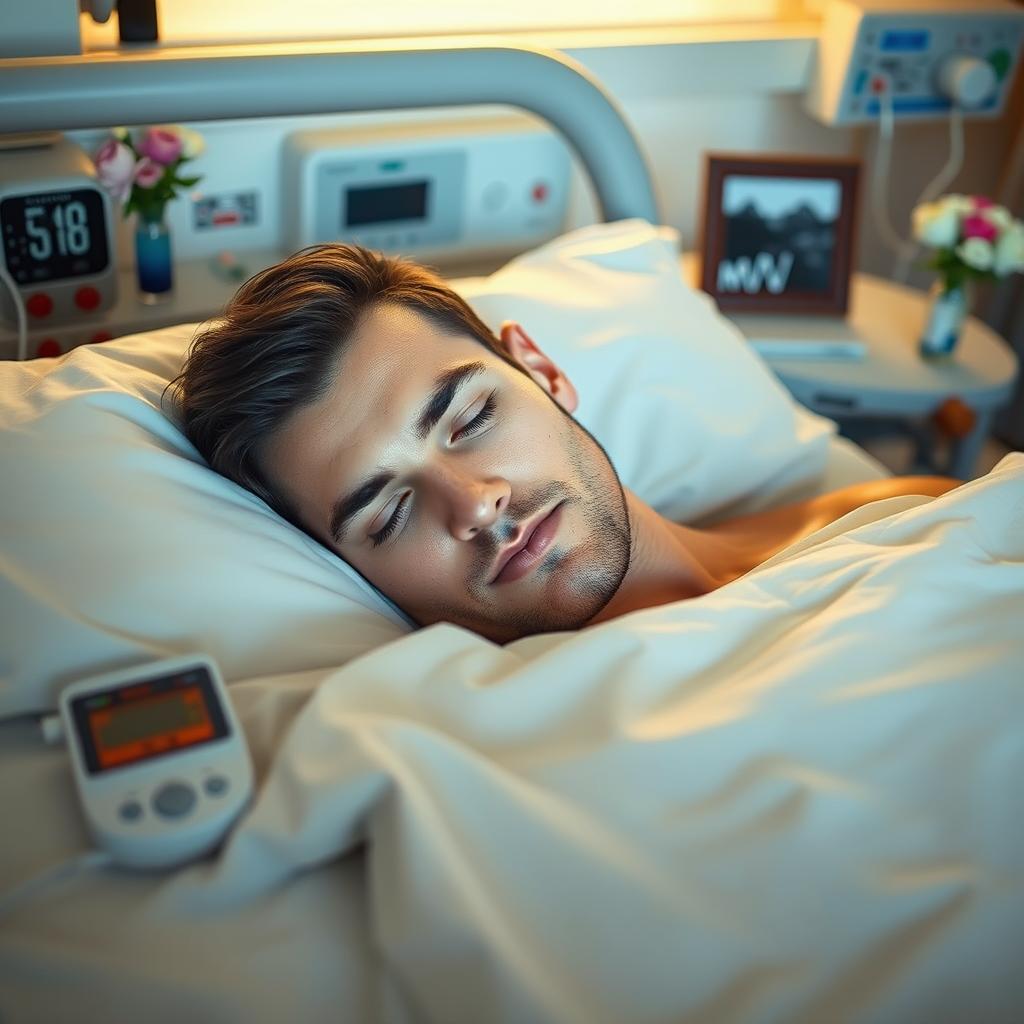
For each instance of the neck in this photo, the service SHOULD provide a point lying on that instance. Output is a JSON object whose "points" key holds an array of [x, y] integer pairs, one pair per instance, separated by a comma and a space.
{"points": [[669, 562]]}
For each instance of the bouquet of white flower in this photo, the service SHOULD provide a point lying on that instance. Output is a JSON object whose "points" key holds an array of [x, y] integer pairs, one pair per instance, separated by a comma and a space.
{"points": [[973, 238]]}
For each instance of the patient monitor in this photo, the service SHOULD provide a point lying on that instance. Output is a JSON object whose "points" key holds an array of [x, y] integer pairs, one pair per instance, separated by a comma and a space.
{"points": [[159, 759], [925, 56]]}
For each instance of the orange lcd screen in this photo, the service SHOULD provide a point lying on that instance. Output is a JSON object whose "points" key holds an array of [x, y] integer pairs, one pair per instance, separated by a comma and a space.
{"points": [[148, 719], [130, 732]]}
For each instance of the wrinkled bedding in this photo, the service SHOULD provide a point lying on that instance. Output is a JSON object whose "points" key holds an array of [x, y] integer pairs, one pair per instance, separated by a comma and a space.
{"points": [[794, 799]]}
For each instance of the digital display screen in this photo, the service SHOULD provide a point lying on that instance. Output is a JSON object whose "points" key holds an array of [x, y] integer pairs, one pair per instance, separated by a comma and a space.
{"points": [[380, 204], [906, 41], [50, 236], [128, 724]]}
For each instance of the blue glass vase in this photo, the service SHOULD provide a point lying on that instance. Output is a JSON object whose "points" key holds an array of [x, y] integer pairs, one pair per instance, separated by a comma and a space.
{"points": [[945, 322], [153, 265]]}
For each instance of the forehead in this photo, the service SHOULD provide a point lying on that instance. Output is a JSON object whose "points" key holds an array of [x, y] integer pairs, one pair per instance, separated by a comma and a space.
{"points": [[384, 373]]}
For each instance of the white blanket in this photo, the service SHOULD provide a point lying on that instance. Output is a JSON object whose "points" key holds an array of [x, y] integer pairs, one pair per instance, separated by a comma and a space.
{"points": [[797, 798]]}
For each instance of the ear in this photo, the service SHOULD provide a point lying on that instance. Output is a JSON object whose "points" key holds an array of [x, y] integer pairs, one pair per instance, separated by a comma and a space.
{"points": [[524, 351]]}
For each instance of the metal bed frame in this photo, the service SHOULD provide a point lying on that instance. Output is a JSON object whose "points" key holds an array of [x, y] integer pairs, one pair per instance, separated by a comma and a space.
{"points": [[227, 82]]}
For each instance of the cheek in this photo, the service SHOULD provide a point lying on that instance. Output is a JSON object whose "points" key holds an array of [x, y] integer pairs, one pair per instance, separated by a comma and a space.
{"points": [[421, 565]]}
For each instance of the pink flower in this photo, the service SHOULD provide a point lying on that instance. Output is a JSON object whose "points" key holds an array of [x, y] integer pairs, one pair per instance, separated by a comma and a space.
{"points": [[161, 145], [148, 173], [982, 202], [978, 226], [115, 168]]}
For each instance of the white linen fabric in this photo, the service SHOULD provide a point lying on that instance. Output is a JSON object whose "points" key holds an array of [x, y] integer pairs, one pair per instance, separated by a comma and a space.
{"points": [[794, 799], [119, 545]]}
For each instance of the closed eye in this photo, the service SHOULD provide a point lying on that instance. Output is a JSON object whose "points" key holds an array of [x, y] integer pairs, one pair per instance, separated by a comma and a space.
{"points": [[477, 422], [396, 520]]}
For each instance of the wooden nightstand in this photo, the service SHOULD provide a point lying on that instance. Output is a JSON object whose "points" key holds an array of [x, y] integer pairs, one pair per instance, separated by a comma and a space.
{"points": [[893, 382]]}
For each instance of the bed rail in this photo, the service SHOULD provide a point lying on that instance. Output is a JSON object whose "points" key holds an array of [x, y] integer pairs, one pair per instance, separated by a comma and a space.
{"points": [[219, 83]]}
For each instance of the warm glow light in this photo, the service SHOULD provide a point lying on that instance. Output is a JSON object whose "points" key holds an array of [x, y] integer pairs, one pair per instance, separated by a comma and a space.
{"points": [[187, 22]]}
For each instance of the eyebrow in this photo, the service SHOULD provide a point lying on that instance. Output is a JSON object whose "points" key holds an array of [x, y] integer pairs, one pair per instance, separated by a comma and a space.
{"points": [[445, 388]]}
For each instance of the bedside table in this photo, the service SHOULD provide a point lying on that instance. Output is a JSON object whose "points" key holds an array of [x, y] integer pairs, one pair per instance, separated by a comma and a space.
{"points": [[893, 381]]}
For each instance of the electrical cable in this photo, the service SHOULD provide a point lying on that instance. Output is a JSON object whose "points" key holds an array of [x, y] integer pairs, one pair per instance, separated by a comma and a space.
{"points": [[19, 307], [14, 898]]}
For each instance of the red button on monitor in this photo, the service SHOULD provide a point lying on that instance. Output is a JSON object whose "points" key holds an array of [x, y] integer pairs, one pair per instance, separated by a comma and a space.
{"points": [[101, 336], [540, 192], [87, 298], [39, 304], [48, 348]]}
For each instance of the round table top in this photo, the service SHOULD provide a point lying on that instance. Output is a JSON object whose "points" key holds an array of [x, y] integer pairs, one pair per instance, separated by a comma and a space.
{"points": [[890, 318]]}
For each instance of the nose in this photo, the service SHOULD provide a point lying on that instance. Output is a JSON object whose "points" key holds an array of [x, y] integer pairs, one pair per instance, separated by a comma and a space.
{"points": [[472, 503]]}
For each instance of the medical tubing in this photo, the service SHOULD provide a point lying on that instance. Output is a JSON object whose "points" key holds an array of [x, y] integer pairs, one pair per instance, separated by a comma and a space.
{"points": [[19, 308], [20, 894], [950, 169], [880, 176]]}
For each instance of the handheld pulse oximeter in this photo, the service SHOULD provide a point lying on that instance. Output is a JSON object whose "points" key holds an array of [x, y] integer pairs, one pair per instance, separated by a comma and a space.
{"points": [[160, 761]]}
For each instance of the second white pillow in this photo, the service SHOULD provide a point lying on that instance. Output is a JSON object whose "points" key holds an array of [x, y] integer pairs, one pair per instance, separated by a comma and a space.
{"points": [[691, 417]]}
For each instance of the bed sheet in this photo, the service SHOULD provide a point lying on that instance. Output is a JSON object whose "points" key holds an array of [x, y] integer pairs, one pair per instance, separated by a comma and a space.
{"points": [[793, 799]]}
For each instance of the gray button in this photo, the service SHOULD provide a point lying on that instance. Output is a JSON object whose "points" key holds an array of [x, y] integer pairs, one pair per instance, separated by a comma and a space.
{"points": [[174, 800], [130, 811], [215, 785]]}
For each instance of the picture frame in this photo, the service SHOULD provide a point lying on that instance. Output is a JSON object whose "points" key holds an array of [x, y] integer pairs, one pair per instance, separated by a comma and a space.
{"points": [[778, 232]]}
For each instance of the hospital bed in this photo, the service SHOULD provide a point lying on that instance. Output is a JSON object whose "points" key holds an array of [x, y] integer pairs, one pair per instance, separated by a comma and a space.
{"points": [[784, 801]]}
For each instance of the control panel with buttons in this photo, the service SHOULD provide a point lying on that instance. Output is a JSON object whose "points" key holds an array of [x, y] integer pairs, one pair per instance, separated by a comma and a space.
{"points": [[56, 234], [159, 759], [918, 60], [430, 191]]}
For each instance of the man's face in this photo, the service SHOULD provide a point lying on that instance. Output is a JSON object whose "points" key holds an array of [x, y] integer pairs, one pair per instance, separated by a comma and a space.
{"points": [[459, 487]]}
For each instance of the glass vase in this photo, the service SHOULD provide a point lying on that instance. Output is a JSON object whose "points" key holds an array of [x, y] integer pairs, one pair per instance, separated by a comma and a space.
{"points": [[947, 312], [154, 268]]}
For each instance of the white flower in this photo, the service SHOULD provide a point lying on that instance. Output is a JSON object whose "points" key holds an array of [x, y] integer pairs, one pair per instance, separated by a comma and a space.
{"points": [[1009, 254], [977, 253], [956, 202], [937, 224], [192, 143], [999, 216]]}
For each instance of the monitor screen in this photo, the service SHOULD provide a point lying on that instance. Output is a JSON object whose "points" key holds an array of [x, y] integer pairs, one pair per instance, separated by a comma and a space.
{"points": [[51, 236], [143, 720], [381, 204]]}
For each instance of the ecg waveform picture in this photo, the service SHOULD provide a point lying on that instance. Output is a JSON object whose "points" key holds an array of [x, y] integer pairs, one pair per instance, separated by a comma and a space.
{"points": [[780, 234]]}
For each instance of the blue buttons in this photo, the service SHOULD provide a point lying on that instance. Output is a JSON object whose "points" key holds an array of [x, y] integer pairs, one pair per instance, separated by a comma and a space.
{"points": [[131, 810], [174, 800], [216, 785]]}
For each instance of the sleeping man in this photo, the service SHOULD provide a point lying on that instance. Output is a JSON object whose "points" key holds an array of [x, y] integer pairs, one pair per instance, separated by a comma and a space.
{"points": [[365, 401]]}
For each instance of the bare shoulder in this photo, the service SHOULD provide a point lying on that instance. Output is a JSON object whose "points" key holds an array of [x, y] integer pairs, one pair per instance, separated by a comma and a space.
{"points": [[893, 487], [766, 532]]}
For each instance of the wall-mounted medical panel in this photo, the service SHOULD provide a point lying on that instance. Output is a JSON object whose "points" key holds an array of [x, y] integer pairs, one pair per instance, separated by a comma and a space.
{"points": [[919, 57], [442, 191]]}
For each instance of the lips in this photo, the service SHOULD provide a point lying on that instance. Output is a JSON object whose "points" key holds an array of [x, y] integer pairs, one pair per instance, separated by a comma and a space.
{"points": [[521, 557]]}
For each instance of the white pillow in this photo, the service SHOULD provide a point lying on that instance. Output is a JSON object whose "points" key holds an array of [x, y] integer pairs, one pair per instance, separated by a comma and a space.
{"points": [[691, 416], [120, 545]]}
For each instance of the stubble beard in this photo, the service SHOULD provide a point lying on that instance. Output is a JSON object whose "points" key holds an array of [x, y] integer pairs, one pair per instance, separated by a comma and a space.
{"points": [[597, 566]]}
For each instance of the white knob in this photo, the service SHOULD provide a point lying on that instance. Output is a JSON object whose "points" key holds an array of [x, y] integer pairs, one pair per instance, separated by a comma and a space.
{"points": [[967, 81]]}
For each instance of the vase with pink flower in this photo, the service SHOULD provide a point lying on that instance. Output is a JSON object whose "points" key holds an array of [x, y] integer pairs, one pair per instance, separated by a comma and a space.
{"points": [[144, 175], [974, 239]]}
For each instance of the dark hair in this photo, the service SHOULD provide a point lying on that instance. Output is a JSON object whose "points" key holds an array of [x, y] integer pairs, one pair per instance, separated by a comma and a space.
{"points": [[276, 346]]}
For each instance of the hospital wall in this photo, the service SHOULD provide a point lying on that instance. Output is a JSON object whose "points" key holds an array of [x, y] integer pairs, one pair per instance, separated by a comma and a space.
{"points": [[682, 100]]}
